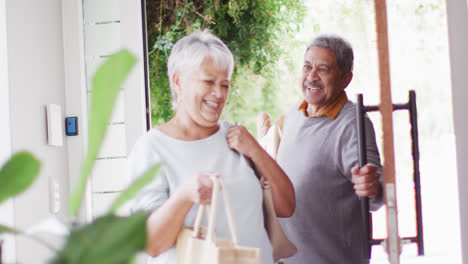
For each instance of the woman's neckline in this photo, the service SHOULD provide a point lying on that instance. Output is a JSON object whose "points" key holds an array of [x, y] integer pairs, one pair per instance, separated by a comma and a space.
{"points": [[178, 139]]}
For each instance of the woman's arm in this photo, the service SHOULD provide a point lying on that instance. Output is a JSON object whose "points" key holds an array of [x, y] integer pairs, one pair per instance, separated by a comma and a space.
{"points": [[241, 140], [164, 224]]}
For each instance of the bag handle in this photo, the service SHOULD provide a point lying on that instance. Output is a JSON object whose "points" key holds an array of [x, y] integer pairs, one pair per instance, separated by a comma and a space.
{"points": [[217, 185]]}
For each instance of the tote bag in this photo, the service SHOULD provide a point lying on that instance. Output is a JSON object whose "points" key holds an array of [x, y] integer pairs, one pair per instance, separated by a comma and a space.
{"points": [[282, 247], [199, 245]]}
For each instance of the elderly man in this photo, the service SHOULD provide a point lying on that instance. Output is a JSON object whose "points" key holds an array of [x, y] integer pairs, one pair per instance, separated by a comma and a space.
{"points": [[318, 152]]}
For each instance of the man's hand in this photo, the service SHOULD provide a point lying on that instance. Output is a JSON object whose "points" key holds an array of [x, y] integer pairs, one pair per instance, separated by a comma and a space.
{"points": [[263, 124], [366, 180]]}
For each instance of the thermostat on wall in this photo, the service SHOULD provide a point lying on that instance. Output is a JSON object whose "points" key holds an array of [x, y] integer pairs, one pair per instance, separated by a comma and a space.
{"points": [[71, 126]]}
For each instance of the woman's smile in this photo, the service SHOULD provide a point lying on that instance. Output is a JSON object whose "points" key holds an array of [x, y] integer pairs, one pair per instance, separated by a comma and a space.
{"points": [[211, 104]]}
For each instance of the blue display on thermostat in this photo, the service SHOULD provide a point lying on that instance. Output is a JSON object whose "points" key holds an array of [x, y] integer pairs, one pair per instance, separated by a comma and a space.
{"points": [[71, 126]]}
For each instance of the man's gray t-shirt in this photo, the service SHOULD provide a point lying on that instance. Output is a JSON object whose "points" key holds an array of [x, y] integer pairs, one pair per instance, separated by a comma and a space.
{"points": [[317, 154]]}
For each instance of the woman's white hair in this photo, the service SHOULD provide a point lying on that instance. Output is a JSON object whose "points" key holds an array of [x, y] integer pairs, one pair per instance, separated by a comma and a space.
{"points": [[189, 52]]}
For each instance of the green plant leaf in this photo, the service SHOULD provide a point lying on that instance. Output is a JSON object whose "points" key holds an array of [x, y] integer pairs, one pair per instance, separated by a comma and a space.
{"points": [[18, 174], [133, 261], [7, 229], [107, 83], [107, 240], [139, 183]]}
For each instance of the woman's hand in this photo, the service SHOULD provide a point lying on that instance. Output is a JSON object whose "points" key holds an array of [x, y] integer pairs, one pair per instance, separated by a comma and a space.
{"points": [[240, 140], [200, 188], [284, 200], [164, 224]]}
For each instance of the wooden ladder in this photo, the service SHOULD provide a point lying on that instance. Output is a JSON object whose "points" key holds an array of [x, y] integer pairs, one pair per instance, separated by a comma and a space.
{"points": [[393, 242]]}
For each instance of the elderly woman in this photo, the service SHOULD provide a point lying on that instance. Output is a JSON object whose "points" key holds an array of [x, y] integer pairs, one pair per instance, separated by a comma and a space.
{"points": [[194, 146]]}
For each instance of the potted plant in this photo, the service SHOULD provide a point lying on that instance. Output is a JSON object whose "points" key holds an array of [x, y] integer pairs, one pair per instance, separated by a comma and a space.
{"points": [[110, 238]]}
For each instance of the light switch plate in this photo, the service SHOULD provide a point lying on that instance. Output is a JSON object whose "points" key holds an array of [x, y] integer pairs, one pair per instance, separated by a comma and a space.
{"points": [[54, 195], [54, 125]]}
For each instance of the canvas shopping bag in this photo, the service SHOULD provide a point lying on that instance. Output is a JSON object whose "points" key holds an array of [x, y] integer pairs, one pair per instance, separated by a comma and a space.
{"points": [[282, 247], [199, 245]]}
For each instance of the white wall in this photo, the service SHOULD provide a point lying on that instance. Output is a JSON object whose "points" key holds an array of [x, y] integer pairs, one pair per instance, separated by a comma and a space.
{"points": [[36, 78], [457, 13], [44, 49], [7, 208]]}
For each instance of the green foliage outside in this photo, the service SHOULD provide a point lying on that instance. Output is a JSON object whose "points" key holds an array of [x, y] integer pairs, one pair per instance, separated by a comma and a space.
{"points": [[109, 239], [252, 29]]}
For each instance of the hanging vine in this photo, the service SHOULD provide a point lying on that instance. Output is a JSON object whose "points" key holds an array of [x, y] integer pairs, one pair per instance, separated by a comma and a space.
{"points": [[251, 29]]}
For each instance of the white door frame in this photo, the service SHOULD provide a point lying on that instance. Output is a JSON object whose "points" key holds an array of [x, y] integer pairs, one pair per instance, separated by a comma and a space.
{"points": [[457, 22], [75, 94], [133, 38]]}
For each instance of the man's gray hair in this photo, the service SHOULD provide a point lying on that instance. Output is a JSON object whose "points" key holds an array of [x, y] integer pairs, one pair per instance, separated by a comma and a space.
{"points": [[341, 47], [189, 52]]}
